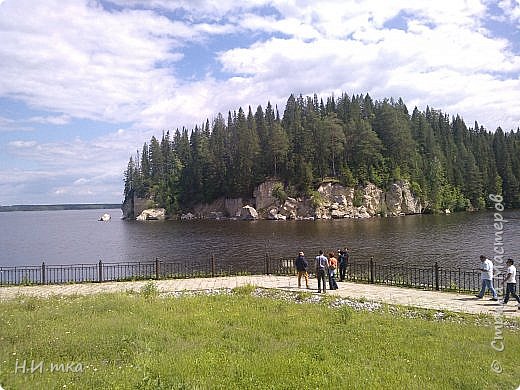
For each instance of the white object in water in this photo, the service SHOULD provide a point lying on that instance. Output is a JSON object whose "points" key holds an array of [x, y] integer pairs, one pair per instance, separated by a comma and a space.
{"points": [[105, 217]]}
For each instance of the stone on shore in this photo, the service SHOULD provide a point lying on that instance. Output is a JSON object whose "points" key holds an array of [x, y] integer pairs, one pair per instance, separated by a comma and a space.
{"points": [[152, 215], [248, 213]]}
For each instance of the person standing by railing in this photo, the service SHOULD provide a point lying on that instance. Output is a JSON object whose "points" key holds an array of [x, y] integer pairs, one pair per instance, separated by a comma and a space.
{"points": [[510, 282], [487, 278], [301, 267], [343, 262], [333, 265], [321, 269]]}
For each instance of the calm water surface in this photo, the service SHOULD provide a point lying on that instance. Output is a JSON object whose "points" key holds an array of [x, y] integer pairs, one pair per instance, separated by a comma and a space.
{"points": [[69, 237]]}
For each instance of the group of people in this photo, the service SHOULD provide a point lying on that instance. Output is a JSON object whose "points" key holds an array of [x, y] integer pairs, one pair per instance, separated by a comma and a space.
{"points": [[325, 267], [487, 281]]}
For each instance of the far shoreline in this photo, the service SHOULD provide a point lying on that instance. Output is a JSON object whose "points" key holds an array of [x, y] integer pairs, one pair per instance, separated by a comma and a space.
{"points": [[57, 207]]}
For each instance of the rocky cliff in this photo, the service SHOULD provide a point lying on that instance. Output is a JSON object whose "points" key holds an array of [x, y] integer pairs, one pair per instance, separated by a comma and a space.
{"points": [[330, 201], [334, 201], [133, 206], [400, 200]]}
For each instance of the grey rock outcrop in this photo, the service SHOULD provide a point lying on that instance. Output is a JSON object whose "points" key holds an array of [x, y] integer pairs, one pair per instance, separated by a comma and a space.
{"points": [[332, 201], [372, 199], [219, 209], [248, 213], [292, 209], [134, 206], [187, 217], [336, 201], [152, 215], [217, 215], [399, 199], [275, 215], [232, 207], [263, 194], [272, 214]]}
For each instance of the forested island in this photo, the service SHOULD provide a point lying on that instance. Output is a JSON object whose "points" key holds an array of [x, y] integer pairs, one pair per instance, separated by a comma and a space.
{"points": [[350, 140]]}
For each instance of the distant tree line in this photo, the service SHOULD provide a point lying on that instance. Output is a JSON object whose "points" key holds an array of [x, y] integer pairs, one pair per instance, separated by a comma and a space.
{"points": [[353, 140], [54, 207]]}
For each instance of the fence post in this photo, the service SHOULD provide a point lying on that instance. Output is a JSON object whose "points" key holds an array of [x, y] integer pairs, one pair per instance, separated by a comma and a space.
{"points": [[436, 268], [157, 273], [266, 263], [371, 270], [212, 266], [100, 271], [43, 272]]}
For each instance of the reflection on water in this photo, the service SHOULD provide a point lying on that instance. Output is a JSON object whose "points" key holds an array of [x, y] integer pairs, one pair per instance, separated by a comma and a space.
{"points": [[66, 237]]}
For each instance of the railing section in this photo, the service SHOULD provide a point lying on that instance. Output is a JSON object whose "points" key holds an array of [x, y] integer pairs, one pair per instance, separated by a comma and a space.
{"points": [[425, 277]]}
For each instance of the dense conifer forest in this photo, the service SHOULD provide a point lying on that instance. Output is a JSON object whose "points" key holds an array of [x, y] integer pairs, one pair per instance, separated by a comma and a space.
{"points": [[353, 140]]}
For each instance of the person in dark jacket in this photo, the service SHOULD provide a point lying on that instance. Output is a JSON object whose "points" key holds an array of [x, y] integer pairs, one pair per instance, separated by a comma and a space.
{"points": [[301, 267], [343, 262]]}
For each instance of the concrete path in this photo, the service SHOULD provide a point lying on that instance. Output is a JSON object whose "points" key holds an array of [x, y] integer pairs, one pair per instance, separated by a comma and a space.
{"points": [[379, 293]]}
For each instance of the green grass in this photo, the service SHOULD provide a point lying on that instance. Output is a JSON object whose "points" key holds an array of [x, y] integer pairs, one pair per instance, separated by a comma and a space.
{"points": [[238, 341]]}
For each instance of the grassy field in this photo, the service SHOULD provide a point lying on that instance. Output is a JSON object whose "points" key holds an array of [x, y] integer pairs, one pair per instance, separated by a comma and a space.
{"points": [[239, 341]]}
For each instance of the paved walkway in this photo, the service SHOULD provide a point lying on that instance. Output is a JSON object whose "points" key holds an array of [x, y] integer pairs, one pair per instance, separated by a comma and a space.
{"points": [[378, 293]]}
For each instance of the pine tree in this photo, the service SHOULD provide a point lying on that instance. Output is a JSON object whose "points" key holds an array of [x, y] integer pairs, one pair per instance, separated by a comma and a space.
{"points": [[278, 147], [333, 130]]}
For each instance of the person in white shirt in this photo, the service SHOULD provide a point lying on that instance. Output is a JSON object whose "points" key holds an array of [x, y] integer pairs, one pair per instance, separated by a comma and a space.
{"points": [[487, 278], [510, 282]]}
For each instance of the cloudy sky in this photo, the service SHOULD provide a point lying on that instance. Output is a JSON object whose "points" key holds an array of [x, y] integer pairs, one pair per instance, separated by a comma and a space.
{"points": [[84, 83]]}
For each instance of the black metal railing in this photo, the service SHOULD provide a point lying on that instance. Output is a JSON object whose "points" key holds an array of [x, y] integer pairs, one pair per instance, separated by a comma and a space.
{"points": [[431, 277], [427, 277]]}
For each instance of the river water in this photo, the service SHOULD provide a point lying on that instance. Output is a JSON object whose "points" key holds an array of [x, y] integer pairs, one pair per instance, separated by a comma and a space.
{"points": [[72, 237]]}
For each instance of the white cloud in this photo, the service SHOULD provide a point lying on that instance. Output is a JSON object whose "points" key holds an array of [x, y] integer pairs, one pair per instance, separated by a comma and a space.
{"points": [[511, 8], [290, 26], [22, 144], [78, 59], [51, 119], [81, 181], [83, 61], [90, 63], [202, 9], [76, 171], [9, 125], [440, 65]]}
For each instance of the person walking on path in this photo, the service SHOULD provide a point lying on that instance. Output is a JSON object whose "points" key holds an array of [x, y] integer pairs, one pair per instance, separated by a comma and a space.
{"points": [[510, 282], [487, 278], [301, 267], [333, 265], [321, 268], [343, 262]]}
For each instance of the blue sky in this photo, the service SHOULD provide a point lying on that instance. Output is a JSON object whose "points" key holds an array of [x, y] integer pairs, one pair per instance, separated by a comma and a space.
{"points": [[84, 83]]}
